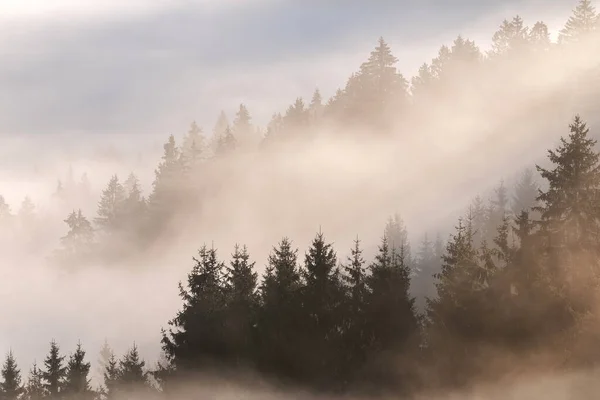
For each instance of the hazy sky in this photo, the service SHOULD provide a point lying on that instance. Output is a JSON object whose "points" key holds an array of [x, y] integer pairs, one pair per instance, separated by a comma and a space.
{"points": [[153, 66]]}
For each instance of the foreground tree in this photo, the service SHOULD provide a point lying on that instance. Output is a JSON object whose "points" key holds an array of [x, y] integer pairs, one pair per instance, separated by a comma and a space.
{"points": [[10, 387]]}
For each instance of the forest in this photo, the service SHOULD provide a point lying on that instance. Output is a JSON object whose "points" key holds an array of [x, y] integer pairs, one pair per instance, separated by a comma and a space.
{"points": [[512, 289]]}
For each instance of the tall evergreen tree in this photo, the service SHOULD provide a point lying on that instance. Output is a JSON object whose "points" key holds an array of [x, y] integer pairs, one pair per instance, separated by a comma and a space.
{"points": [[198, 341], [322, 299], [111, 206], [111, 377], [525, 193], [34, 389], [583, 22], [280, 327], [132, 373], [10, 387], [242, 301], [55, 372], [77, 383]]}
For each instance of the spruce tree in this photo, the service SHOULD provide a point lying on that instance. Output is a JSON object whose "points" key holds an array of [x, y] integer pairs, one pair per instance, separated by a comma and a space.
{"points": [[583, 22], [34, 389], [55, 372], [77, 383], [10, 386], [280, 327], [569, 209], [512, 35], [198, 339], [354, 340], [78, 243], [525, 193], [322, 299], [111, 376], [111, 205], [242, 301], [132, 373]]}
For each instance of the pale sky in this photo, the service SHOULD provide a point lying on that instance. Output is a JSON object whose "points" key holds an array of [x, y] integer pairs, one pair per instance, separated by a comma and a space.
{"points": [[144, 66]]}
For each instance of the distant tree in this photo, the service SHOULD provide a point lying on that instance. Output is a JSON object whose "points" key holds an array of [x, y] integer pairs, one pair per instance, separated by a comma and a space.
{"points": [[55, 372], [539, 37], [192, 149], [512, 36], [78, 243], [219, 130], [397, 237], [315, 108], [111, 206], [227, 144], [242, 127], [583, 22], [296, 116], [10, 387], [525, 193]]}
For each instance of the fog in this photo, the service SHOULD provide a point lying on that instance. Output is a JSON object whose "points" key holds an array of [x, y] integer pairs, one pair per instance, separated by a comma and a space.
{"points": [[428, 172]]}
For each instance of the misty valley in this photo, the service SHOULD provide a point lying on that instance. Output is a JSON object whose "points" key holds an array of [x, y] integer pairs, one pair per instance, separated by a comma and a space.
{"points": [[425, 237]]}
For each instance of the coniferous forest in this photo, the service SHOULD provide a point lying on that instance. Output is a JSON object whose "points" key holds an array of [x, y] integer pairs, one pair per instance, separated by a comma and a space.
{"points": [[512, 289]]}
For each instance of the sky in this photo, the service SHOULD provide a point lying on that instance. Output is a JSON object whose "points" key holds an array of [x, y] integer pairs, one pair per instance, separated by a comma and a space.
{"points": [[152, 67]]}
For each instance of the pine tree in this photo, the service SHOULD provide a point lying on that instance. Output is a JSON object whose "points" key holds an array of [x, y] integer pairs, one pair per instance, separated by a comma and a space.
{"points": [[111, 205], [104, 357], [242, 302], [397, 237], [296, 116], [218, 131], [525, 193], [55, 373], [10, 387], [227, 144], [280, 326], [242, 127], [511, 36], [354, 340], [322, 299], [34, 390], [112, 376], [78, 243], [315, 107], [132, 373], [198, 341], [192, 149], [77, 383], [570, 211], [583, 22], [539, 37], [392, 323]]}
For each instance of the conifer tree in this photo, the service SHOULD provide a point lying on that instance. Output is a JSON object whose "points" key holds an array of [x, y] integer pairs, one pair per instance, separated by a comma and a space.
{"points": [[218, 131], [322, 299], [539, 37], [34, 389], [242, 127], [132, 373], [55, 372], [280, 328], [111, 376], [198, 340], [242, 301], [227, 143], [570, 211], [354, 339], [111, 206], [315, 107], [525, 193], [511, 36], [77, 383], [392, 323], [10, 386], [296, 116], [78, 243], [582, 22]]}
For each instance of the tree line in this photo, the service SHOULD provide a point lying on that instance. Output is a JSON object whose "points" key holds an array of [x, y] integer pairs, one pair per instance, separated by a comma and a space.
{"points": [[351, 326]]}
